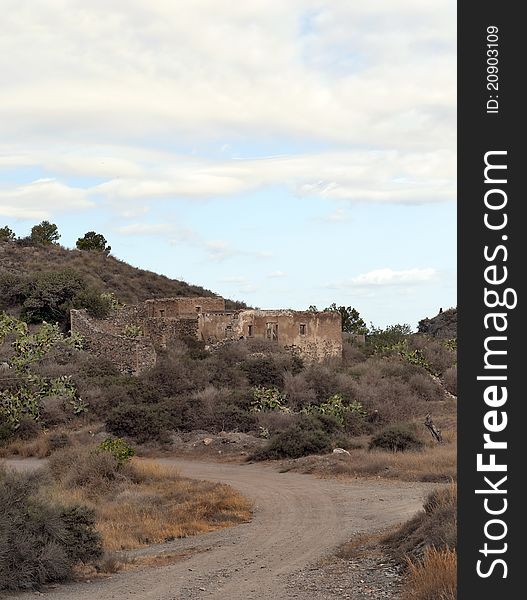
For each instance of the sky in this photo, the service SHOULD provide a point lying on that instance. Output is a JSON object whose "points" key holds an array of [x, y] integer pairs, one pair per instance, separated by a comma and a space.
{"points": [[284, 153]]}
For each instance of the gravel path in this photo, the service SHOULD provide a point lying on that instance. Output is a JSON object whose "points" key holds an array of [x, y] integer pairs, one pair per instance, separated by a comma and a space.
{"points": [[298, 520]]}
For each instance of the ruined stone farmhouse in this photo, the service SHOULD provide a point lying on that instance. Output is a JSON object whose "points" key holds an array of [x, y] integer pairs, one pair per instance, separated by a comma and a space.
{"points": [[131, 336]]}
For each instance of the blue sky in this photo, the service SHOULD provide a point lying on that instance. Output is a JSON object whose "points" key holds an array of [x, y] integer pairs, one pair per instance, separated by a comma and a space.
{"points": [[281, 153]]}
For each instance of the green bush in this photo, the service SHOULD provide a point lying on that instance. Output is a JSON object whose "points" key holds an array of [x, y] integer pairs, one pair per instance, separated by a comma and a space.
{"points": [[141, 422], [51, 295], [397, 438], [98, 305], [263, 371], [40, 542], [301, 439], [118, 448]]}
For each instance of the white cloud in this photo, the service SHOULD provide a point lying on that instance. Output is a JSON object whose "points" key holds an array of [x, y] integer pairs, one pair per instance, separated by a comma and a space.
{"points": [[107, 82], [390, 277], [277, 275], [42, 198], [322, 69]]}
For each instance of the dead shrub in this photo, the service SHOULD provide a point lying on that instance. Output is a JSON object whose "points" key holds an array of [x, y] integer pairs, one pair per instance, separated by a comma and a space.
{"points": [[89, 468], [450, 380], [425, 388], [298, 391], [40, 541]]}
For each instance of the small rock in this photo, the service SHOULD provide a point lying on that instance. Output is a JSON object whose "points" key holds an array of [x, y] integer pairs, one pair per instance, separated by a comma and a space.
{"points": [[207, 441], [341, 451]]}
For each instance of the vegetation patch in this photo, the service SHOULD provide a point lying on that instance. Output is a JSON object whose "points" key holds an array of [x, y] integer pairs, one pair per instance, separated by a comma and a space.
{"points": [[397, 438]]}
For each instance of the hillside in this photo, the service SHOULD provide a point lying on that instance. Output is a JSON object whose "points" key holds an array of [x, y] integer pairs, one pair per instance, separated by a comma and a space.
{"points": [[104, 273]]}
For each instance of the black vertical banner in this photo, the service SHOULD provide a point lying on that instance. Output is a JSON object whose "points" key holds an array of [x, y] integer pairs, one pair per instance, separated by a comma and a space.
{"points": [[492, 253]]}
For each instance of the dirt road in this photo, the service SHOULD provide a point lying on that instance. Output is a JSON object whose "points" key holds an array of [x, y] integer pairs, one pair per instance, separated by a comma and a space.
{"points": [[298, 519]]}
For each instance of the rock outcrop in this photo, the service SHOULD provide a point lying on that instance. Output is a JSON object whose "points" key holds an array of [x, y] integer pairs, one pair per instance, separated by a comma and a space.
{"points": [[443, 325]]}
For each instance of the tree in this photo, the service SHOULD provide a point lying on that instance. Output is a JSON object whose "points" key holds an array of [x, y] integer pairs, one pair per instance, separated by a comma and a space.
{"points": [[351, 319], [93, 241], [6, 235], [45, 233]]}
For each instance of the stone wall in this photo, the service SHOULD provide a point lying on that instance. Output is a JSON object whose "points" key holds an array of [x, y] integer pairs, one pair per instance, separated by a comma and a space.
{"points": [[176, 307], [315, 336], [215, 327], [130, 355], [163, 331]]}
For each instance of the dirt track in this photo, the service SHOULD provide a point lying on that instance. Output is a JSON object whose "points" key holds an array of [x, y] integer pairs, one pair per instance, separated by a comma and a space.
{"points": [[298, 519]]}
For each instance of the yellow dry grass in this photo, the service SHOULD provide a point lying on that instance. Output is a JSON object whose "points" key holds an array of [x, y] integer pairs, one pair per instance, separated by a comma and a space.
{"points": [[433, 578], [38, 447], [153, 504], [435, 463]]}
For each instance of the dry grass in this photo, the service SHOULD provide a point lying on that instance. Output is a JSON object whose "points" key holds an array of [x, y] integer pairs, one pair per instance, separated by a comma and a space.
{"points": [[37, 447], [435, 463], [432, 578], [148, 503]]}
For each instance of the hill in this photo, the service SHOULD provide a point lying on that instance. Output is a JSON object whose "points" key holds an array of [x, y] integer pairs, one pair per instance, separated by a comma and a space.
{"points": [[103, 273]]}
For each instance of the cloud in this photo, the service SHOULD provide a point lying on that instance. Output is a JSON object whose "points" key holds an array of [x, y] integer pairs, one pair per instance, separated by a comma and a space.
{"points": [[353, 176], [277, 275], [42, 198], [109, 69], [108, 83], [339, 215], [381, 277]]}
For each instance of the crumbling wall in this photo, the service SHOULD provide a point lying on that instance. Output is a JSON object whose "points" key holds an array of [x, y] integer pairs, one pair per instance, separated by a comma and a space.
{"points": [[314, 336], [176, 307], [122, 318], [130, 355], [163, 331], [215, 327]]}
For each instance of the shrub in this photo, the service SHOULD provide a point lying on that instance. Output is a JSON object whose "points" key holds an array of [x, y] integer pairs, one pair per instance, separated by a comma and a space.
{"points": [[142, 422], [50, 296], [383, 340], [301, 439], [265, 399], [425, 387], [397, 438], [84, 467], [450, 380], [13, 289], [40, 542], [98, 305], [263, 371], [118, 448], [434, 527]]}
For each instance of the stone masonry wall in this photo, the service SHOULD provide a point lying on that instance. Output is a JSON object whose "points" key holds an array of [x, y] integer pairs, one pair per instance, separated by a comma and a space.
{"points": [[130, 355], [164, 331], [176, 307]]}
